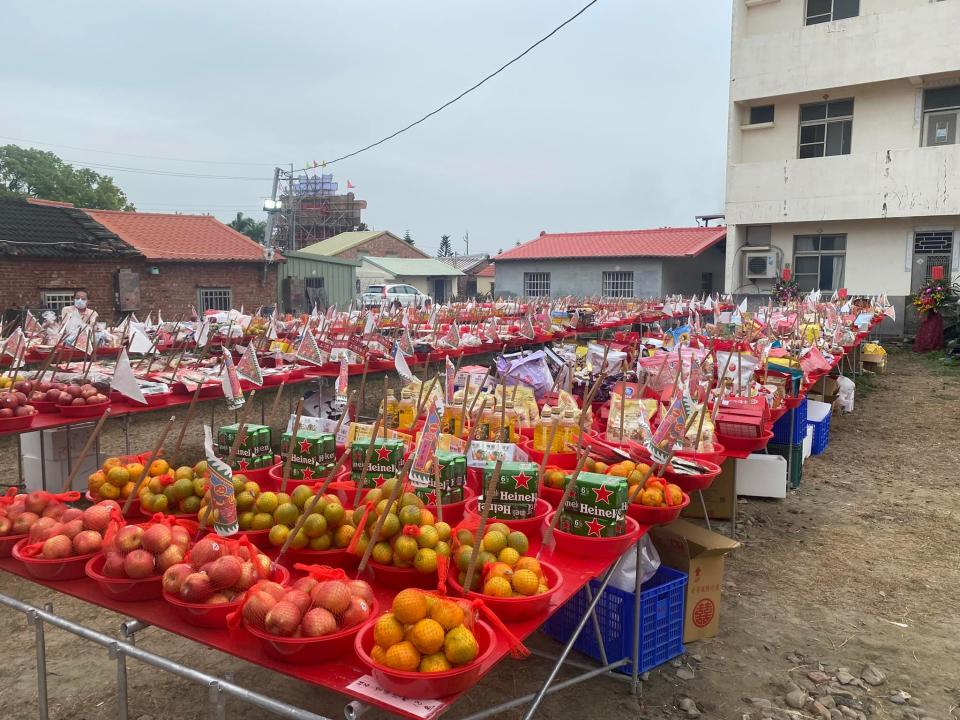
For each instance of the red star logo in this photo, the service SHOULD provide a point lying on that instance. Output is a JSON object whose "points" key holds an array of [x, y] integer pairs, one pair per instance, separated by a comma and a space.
{"points": [[304, 445], [380, 479], [383, 453], [523, 481], [594, 527], [307, 474], [242, 465], [603, 495], [431, 498]]}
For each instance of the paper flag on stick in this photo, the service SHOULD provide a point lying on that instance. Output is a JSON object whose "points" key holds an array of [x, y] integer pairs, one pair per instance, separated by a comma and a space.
{"points": [[123, 380], [221, 488], [400, 363], [203, 333], [13, 343], [308, 350], [30, 324], [249, 367], [139, 343], [669, 431], [231, 383]]}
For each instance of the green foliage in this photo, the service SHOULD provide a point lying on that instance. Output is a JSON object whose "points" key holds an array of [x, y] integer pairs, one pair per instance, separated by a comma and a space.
{"points": [[446, 248], [26, 172], [253, 229], [406, 236]]}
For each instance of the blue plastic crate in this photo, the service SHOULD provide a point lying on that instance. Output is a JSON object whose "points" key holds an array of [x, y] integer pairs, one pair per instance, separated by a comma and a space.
{"points": [[781, 428], [661, 621], [820, 424]]}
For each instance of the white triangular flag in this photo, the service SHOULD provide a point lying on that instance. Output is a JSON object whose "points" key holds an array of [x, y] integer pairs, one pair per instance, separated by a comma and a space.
{"points": [[123, 380], [139, 343], [743, 306], [203, 332], [708, 305], [400, 363], [369, 325]]}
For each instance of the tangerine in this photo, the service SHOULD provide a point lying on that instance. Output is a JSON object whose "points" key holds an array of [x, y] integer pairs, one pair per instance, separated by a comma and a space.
{"points": [[378, 654], [448, 613], [402, 656], [443, 531], [498, 587], [427, 636], [387, 630], [159, 467], [494, 541], [118, 476], [428, 537], [525, 582], [437, 662], [509, 556], [529, 563], [425, 560], [409, 606], [500, 569], [460, 646]]}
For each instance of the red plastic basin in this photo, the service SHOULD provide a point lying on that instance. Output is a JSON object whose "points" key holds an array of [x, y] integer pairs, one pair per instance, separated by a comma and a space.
{"points": [[594, 546], [84, 411], [563, 460], [515, 609], [215, 616], [715, 456], [740, 447], [691, 483], [400, 578], [17, 423], [307, 651], [7, 542], [528, 527], [71, 568], [335, 557], [123, 589], [426, 686], [647, 515]]}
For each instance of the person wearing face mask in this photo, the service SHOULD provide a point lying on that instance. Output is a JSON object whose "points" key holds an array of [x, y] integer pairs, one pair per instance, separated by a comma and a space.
{"points": [[78, 312]]}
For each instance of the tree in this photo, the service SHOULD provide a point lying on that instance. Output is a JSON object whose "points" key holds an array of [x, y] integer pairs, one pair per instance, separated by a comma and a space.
{"points": [[446, 249], [253, 229], [25, 172], [406, 236]]}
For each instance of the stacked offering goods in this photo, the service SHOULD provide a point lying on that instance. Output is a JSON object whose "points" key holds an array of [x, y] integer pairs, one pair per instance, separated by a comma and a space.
{"points": [[424, 633], [517, 490], [313, 453], [309, 608], [65, 534], [453, 477], [138, 552], [386, 460], [328, 526], [215, 572], [503, 567], [597, 507], [256, 450], [173, 491], [410, 535]]}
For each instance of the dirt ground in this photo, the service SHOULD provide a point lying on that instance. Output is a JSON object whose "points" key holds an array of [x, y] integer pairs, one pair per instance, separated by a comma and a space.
{"points": [[855, 568]]}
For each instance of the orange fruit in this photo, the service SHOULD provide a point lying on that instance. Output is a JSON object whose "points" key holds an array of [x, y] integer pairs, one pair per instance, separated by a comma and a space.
{"points": [[378, 654], [674, 493], [652, 497], [437, 662], [111, 462], [589, 464], [409, 606], [159, 467], [525, 582], [127, 489], [500, 569], [541, 589], [402, 656], [601, 468], [529, 563], [460, 646], [109, 492], [135, 470], [95, 481], [118, 476], [653, 481], [498, 587], [387, 630], [509, 556], [448, 613], [427, 636]]}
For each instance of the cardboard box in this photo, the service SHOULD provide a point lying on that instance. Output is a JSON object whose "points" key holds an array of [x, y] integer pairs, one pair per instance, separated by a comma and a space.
{"points": [[699, 553], [761, 475], [719, 498]]}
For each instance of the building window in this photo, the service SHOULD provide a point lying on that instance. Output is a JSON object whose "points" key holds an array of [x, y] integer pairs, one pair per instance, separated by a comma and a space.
{"points": [[761, 114], [57, 300], [826, 128], [536, 284], [313, 283], [818, 261], [618, 284], [214, 299], [941, 112], [706, 281], [937, 250], [821, 11]]}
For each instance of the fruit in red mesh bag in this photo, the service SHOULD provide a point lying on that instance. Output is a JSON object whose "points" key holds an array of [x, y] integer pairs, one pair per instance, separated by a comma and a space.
{"points": [[59, 546], [96, 517], [113, 564], [205, 551], [72, 529], [247, 577], [23, 522], [307, 584], [361, 589], [156, 538], [332, 595], [86, 542], [256, 607], [275, 589], [283, 618], [357, 612], [225, 571], [128, 538], [180, 536], [174, 576], [317, 622], [139, 564], [298, 598], [196, 588], [171, 556]]}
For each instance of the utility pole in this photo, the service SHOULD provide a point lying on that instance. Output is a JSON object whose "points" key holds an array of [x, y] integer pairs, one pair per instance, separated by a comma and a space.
{"points": [[466, 240], [291, 215], [271, 212]]}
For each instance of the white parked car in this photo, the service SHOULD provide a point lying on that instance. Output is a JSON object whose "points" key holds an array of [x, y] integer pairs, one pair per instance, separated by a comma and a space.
{"points": [[389, 295]]}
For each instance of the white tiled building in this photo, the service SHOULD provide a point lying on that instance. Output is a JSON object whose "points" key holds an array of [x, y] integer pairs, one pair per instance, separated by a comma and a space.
{"points": [[844, 145]]}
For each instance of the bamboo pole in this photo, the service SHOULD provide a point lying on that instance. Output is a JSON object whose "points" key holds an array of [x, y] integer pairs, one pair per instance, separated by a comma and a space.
{"points": [[68, 485], [378, 526], [290, 450], [488, 496], [567, 491], [146, 466]]}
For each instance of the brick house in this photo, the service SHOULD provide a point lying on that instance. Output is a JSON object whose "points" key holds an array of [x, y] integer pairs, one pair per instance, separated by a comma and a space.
{"points": [[137, 262], [371, 243]]}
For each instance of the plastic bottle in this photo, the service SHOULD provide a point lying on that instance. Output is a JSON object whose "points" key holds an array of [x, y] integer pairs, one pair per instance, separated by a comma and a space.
{"points": [[489, 421], [453, 415], [541, 432], [512, 421], [406, 410], [568, 435]]}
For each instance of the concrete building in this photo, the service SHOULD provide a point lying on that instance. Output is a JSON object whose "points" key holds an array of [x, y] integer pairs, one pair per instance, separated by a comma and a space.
{"points": [[355, 245], [843, 154], [613, 263], [471, 284], [428, 275]]}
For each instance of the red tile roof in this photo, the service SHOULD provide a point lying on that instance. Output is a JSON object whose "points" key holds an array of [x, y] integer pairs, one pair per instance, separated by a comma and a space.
{"points": [[662, 242], [167, 237], [488, 271]]}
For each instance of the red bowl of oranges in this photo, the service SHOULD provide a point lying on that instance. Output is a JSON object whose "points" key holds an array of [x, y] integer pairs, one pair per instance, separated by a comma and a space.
{"points": [[523, 591]]}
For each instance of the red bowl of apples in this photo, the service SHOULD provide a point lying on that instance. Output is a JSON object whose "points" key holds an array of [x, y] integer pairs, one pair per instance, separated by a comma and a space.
{"points": [[16, 412], [82, 401]]}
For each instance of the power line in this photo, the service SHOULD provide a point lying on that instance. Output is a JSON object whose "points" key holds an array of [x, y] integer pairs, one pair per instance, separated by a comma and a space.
{"points": [[165, 173], [134, 155], [468, 90]]}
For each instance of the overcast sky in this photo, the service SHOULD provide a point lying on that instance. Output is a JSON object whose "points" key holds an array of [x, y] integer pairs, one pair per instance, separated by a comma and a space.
{"points": [[617, 122]]}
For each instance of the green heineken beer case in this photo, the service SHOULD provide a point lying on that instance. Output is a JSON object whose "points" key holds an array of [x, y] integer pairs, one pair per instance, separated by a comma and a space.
{"points": [[386, 461], [453, 477], [257, 443], [517, 490], [597, 507], [313, 452]]}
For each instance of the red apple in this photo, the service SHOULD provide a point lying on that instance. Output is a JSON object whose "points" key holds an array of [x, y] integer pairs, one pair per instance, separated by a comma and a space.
{"points": [[87, 391], [24, 386], [6, 413], [8, 400], [65, 398], [96, 399], [75, 390], [25, 410], [53, 394], [36, 395], [44, 386]]}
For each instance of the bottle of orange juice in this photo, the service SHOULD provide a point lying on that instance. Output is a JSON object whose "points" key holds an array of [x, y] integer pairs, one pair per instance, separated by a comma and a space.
{"points": [[568, 433], [406, 411], [541, 432]]}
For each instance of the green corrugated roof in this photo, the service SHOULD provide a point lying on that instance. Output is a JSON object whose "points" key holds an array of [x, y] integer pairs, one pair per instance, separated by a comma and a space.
{"points": [[426, 267], [344, 241]]}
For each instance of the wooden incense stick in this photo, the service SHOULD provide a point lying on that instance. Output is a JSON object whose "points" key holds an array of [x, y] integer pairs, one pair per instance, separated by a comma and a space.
{"points": [[363, 386], [149, 460], [378, 526], [290, 448], [567, 492], [68, 485], [368, 455], [546, 451], [438, 489]]}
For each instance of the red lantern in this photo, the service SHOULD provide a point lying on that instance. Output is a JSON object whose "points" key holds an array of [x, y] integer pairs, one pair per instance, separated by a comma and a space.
{"points": [[785, 274], [936, 272]]}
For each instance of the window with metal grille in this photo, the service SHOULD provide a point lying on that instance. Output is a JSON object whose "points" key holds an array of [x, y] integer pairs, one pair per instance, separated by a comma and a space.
{"points": [[313, 283], [826, 128], [821, 11], [941, 115], [536, 284], [818, 261], [760, 114], [618, 284], [214, 299], [937, 249], [57, 300]]}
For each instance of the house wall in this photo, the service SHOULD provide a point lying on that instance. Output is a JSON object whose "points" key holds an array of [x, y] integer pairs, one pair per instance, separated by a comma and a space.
{"points": [[685, 275], [484, 285], [339, 280], [173, 291], [580, 276], [382, 246]]}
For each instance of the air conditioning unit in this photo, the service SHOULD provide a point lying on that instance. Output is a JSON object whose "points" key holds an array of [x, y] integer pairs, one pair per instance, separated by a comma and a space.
{"points": [[760, 265]]}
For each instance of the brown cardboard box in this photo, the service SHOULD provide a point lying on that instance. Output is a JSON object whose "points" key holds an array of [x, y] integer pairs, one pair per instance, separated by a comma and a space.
{"points": [[719, 497], [699, 553]]}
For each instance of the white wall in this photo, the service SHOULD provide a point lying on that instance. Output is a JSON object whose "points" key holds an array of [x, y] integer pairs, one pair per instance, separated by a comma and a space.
{"points": [[775, 54]]}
